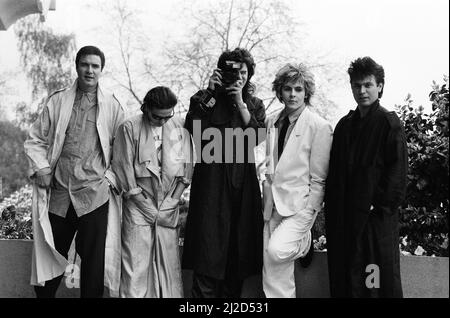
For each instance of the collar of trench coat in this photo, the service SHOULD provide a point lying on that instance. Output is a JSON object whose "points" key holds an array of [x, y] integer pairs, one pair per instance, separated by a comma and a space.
{"points": [[176, 154], [47, 263]]}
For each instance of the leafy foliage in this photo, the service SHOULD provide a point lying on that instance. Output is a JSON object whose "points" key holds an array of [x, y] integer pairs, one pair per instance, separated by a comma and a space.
{"points": [[13, 162], [15, 221], [47, 57], [424, 218], [48, 60]]}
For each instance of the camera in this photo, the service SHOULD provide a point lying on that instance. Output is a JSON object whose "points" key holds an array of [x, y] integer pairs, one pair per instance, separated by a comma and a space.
{"points": [[207, 100], [230, 72]]}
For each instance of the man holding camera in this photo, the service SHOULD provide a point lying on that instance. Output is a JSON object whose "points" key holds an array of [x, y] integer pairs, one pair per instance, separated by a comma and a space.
{"points": [[223, 240]]}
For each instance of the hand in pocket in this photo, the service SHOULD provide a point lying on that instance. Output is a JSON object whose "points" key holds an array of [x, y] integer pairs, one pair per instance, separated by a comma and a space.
{"points": [[146, 207], [168, 212]]}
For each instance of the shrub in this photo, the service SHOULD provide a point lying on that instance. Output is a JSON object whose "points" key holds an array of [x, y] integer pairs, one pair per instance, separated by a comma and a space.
{"points": [[424, 216], [13, 161], [15, 212]]}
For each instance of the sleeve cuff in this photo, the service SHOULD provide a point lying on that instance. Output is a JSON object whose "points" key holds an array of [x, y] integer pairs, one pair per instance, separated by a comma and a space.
{"points": [[43, 172], [184, 181], [132, 192]]}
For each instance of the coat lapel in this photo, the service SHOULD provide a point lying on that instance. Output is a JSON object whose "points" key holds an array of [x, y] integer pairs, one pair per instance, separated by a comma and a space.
{"points": [[65, 112], [271, 144], [297, 132], [147, 150], [173, 152], [102, 123], [302, 123]]}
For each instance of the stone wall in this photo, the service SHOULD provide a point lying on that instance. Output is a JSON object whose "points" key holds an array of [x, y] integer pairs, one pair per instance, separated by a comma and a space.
{"points": [[422, 277]]}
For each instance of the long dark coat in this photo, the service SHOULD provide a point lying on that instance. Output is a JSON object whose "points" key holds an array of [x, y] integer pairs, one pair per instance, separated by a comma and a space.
{"points": [[224, 222], [368, 167]]}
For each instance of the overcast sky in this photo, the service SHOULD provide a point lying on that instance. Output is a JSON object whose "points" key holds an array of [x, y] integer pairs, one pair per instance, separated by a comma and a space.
{"points": [[408, 37]]}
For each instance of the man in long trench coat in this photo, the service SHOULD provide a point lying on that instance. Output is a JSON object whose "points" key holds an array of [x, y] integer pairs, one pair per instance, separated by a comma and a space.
{"points": [[365, 186], [69, 149], [153, 161]]}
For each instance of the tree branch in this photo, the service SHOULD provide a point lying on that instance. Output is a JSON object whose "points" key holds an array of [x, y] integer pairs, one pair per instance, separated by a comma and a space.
{"points": [[249, 20], [230, 12]]}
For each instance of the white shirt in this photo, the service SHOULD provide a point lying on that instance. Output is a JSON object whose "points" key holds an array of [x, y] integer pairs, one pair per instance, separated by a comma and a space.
{"points": [[157, 138]]}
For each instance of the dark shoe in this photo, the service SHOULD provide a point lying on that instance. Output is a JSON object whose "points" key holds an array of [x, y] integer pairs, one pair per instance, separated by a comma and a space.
{"points": [[307, 259]]}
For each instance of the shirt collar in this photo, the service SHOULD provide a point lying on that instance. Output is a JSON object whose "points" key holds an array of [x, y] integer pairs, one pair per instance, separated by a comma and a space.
{"points": [[89, 95], [292, 115]]}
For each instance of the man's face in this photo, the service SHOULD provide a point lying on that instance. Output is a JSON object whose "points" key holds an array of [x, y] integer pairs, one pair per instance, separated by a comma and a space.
{"points": [[293, 95], [243, 74], [159, 117], [89, 69], [365, 90]]}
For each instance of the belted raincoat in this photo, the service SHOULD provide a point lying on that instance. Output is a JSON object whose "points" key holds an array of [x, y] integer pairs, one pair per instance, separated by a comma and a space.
{"points": [[150, 227]]}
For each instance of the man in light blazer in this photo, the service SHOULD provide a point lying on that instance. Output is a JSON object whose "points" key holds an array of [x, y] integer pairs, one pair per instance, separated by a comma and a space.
{"points": [[297, 152]]}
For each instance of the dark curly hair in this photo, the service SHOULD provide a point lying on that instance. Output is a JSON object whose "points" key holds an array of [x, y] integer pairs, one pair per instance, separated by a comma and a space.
{"points": [[160, 97], [90, 50], [366, 66], [243, 56]]}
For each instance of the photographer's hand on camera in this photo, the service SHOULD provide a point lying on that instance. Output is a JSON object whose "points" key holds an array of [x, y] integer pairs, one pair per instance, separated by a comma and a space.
{"points": [[235, 91], [215, 80]]}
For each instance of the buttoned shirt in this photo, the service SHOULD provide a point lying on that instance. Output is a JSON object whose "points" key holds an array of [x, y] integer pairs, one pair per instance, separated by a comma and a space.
{"points": [[79, 174]]}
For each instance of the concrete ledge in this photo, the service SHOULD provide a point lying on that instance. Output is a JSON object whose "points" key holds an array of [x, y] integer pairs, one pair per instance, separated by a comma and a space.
{"points": [[422, 277]]}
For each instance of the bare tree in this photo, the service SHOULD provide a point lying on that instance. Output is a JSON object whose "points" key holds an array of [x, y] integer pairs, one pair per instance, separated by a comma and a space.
{"points": [[266, 29], [123, 20], [261, 27], [126, 43], [184, 63], [122, 31]]}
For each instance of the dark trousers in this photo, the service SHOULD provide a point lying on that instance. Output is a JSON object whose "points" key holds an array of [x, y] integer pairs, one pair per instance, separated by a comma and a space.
{"points": [[208, 287], [89, 244]]}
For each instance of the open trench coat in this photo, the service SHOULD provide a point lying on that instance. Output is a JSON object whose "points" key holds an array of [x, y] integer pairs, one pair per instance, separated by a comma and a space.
{"points": [[225, 203], [43, 148], [366, 183], [150, 229]]}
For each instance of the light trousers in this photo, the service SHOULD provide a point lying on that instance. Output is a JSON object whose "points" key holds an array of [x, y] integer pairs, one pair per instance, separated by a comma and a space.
{"points": [[284, 242]]}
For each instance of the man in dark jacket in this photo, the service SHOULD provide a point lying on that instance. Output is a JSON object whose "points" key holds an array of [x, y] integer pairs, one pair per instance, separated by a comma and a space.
{"points": [[366, 183], [223, 241]]}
